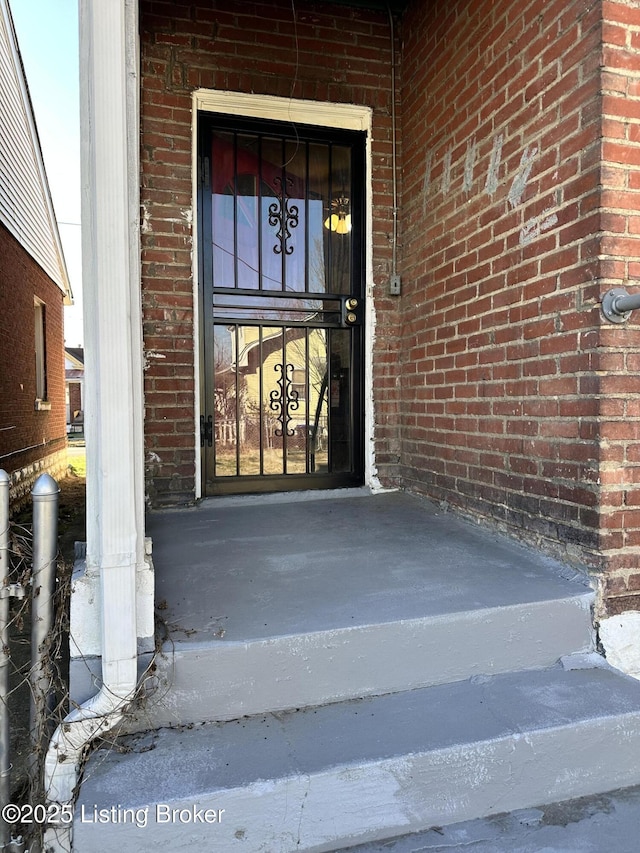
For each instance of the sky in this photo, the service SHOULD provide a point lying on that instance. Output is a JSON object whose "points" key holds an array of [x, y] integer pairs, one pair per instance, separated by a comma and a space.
{"points": [[47, 32]]}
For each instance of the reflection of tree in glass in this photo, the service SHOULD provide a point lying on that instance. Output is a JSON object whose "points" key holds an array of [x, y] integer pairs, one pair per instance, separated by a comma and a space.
{"points": [[318, 357], [317, 262], [317, 365], [314, 357], [226, 387]]}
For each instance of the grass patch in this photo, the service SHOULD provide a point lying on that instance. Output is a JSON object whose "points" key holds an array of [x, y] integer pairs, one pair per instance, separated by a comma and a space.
{"points": [[77, 462]]}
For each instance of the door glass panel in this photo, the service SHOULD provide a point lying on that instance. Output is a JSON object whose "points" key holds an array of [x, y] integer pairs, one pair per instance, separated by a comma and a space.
{"points": [[339, 220], [318, 383], [340, 390], [247, 211], [271, 358], [272, 263], [223, 209], [319, 211], [292, 404], [283, 364], [295, 206], [225, 432], [282, 400], [248, 359]]}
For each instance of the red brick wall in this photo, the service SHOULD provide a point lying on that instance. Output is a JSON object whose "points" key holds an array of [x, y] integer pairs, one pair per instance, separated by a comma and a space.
{"points": [[330, 54], [22, 427], [501, 130], [620, 344], [75, 398]]}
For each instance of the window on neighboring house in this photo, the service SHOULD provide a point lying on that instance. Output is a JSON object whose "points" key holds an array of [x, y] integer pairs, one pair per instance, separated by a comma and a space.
{"points": [[40, 353], [299, 382]]}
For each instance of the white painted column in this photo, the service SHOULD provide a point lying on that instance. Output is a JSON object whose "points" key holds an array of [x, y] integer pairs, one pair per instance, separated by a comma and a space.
{"points": [[109, 112]]}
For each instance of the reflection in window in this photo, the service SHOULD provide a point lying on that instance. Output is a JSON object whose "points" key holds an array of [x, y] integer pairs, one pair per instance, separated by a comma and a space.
{"points": [[40, 350], [299, 383], [271, 199]]}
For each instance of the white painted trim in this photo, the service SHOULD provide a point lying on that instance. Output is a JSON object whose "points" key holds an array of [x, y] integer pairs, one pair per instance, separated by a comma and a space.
{"points": [[370, 468], [111, 272], [319, 114], [109, 114], [113, 314], [197, 319]]}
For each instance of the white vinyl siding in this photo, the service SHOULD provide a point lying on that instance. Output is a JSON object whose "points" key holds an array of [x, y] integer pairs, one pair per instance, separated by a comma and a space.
{"points": [[25, 205]]}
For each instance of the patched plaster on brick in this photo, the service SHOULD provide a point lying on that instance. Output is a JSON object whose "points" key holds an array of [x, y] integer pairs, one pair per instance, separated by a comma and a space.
{"points": [[620, 636]]}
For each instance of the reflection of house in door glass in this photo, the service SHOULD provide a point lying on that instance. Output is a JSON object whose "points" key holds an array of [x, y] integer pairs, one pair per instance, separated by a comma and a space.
{"points": [[271, 419]]}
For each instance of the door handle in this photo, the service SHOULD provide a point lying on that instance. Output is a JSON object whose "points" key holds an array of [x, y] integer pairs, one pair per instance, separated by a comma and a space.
{"points": [[351, 312]]}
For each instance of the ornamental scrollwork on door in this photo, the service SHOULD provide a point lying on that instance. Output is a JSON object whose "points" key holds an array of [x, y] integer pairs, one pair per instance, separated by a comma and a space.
{"points": [[284, 399], [284, 215]]}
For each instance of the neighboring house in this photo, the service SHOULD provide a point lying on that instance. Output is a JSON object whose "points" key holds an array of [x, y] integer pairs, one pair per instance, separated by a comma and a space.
{"points": [[34, 286], [74, 382], [249, 384], [442, 193]]}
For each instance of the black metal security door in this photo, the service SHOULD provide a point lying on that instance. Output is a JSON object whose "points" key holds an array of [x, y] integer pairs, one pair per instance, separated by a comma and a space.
{"points": [[283, 306]]}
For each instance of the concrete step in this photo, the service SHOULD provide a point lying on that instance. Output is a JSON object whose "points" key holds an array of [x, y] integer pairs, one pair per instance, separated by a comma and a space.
{"points": [[281, 604], [276, 673], [326, 778], [596, 824]]}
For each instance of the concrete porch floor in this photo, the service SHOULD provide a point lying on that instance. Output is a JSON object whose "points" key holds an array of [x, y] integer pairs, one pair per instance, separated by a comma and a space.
{"points": [[350, 668], [302, 600], [249, 568]]}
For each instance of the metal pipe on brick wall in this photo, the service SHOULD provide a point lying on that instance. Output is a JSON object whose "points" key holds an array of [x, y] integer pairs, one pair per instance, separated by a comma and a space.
{"points": [[617, 304], [5, 765], [45, 494], [395, 280]]}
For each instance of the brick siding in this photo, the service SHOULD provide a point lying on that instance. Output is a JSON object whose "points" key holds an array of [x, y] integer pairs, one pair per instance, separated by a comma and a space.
{"points": [[27, 435], [501, 122], [75, 398], [620, 344]]}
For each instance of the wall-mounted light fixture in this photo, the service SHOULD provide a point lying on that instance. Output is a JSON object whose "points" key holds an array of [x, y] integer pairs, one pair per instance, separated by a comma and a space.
{"points": [[339, 220]]}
